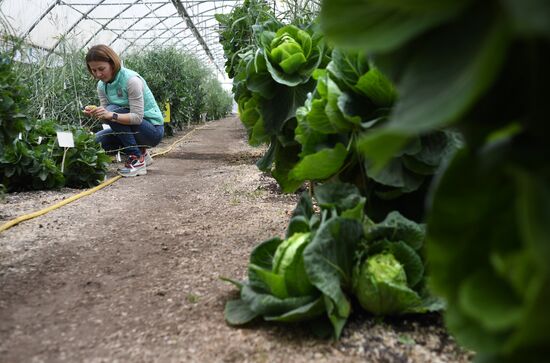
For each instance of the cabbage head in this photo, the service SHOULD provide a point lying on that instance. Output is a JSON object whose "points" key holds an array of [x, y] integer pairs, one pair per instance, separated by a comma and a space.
{"points": [[289, 262], [381, 286], [292, 54], [251, 117]]}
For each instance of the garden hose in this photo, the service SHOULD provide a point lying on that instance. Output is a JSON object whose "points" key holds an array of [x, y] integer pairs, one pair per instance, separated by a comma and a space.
{"points": [[107, 182]]}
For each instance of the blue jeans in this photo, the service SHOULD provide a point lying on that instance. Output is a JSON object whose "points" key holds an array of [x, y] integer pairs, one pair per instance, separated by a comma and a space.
{"points": [[129, 138]]}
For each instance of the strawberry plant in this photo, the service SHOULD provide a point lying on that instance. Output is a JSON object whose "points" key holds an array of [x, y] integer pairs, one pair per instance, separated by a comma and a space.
{"points": [[30, 157]]}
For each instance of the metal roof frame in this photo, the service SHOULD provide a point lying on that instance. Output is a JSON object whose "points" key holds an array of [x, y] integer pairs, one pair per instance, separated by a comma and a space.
{"points": [[198, 18]]}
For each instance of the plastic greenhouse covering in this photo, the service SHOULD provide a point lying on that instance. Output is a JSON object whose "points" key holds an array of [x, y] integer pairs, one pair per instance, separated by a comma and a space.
{"points": [[125, 25]]}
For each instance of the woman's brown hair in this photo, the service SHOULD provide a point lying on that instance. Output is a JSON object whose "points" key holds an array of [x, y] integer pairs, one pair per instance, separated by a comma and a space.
{"points": [[103, 53]]}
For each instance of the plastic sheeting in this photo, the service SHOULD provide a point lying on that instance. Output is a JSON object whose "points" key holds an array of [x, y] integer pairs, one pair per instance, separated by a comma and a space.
{"points": [[125, 25]]}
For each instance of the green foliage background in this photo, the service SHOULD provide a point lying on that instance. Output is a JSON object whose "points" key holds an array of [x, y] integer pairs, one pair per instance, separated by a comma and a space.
{"points": [[43, 94]]}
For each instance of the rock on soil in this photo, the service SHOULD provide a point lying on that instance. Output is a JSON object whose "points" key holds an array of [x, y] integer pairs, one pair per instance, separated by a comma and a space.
{"points": [[132, 272]]}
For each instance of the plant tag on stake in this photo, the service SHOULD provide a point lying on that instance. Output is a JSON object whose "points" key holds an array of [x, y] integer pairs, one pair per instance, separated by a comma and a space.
{"points": [[118, 158], [106, 127], [20, 136], [65, 140], [39, 140]]}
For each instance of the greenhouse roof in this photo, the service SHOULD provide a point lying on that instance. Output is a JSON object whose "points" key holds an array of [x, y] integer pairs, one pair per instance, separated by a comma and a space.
{"points": [[125, 25]]}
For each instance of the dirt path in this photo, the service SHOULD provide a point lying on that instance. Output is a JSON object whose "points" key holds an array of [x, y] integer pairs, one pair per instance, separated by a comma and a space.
{"points": [[131, 273]]}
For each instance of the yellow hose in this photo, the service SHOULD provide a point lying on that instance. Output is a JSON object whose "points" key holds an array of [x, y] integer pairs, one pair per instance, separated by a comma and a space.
{"points": [[26, 217]]}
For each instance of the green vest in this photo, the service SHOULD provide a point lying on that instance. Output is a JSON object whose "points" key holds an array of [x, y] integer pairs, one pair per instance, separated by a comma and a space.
{"points": [[117, 94]]}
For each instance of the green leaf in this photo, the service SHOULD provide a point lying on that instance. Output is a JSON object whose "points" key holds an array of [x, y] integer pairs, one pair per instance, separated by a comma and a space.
{"points": [[329, 260], [275, 283], [411, 261], [357, 212], [258, 78], [470, 333], [321, 165], [377, 88], [268, 305], [397, 228], [380, 146], [306, 312], [395, 174], [267, 159], [285, 160], [295, 275], [347, 66], [282, 107], [533, 214], [386, 298], [237, 312], [342, 196], [261, 259], [487, 299], [378, 26], [530, 17], [448, 74], [468, 197]]}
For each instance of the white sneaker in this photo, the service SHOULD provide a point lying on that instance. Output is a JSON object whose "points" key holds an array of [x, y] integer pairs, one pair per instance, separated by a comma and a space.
{"points": [[148, 158], [134, 166]]}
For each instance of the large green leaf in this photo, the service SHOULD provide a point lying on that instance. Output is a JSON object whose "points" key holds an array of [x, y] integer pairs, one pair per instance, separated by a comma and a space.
{"points": [[411, 261], [380, 146], [395, 174], [306, 312], [487, 299], [386, 298], [321, 165], [471, 333], [285, 160], [380, 26], [533, 208], [329, 260], [347, 66], [283, 105], [264, 163], [342, 196], [262, 259], [295, 275], [377, 88], [397, 228], [272, 282], [449, 73], [237, 312], [269, 305], [258, 78], [530, 17]]}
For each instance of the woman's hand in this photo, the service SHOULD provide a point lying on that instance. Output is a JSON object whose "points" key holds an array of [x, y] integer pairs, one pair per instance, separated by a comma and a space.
{"points": [[100, 113], [88, 110]]}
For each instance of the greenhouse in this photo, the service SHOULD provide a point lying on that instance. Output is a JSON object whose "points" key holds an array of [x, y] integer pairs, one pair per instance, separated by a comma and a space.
{"points": [[274, 181]]}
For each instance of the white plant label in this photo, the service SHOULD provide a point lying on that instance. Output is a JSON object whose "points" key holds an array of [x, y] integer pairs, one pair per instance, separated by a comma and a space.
{"points": [[106, 127], [65, 139], [39, 140], [118, 158], [20, 136]]}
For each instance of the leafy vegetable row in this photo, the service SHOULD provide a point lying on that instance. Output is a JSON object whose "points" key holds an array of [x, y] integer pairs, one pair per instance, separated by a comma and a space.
{"points": [[312, 105], [479, 68], [417, 81], [330, 256]]}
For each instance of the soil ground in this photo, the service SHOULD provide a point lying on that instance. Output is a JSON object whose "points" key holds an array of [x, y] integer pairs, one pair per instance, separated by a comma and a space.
{"points": [[131, 273]]}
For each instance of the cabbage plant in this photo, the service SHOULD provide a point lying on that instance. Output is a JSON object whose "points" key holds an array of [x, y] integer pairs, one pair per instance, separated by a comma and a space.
{"points": [[388, 278], [307, 276], [292, 54]]}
